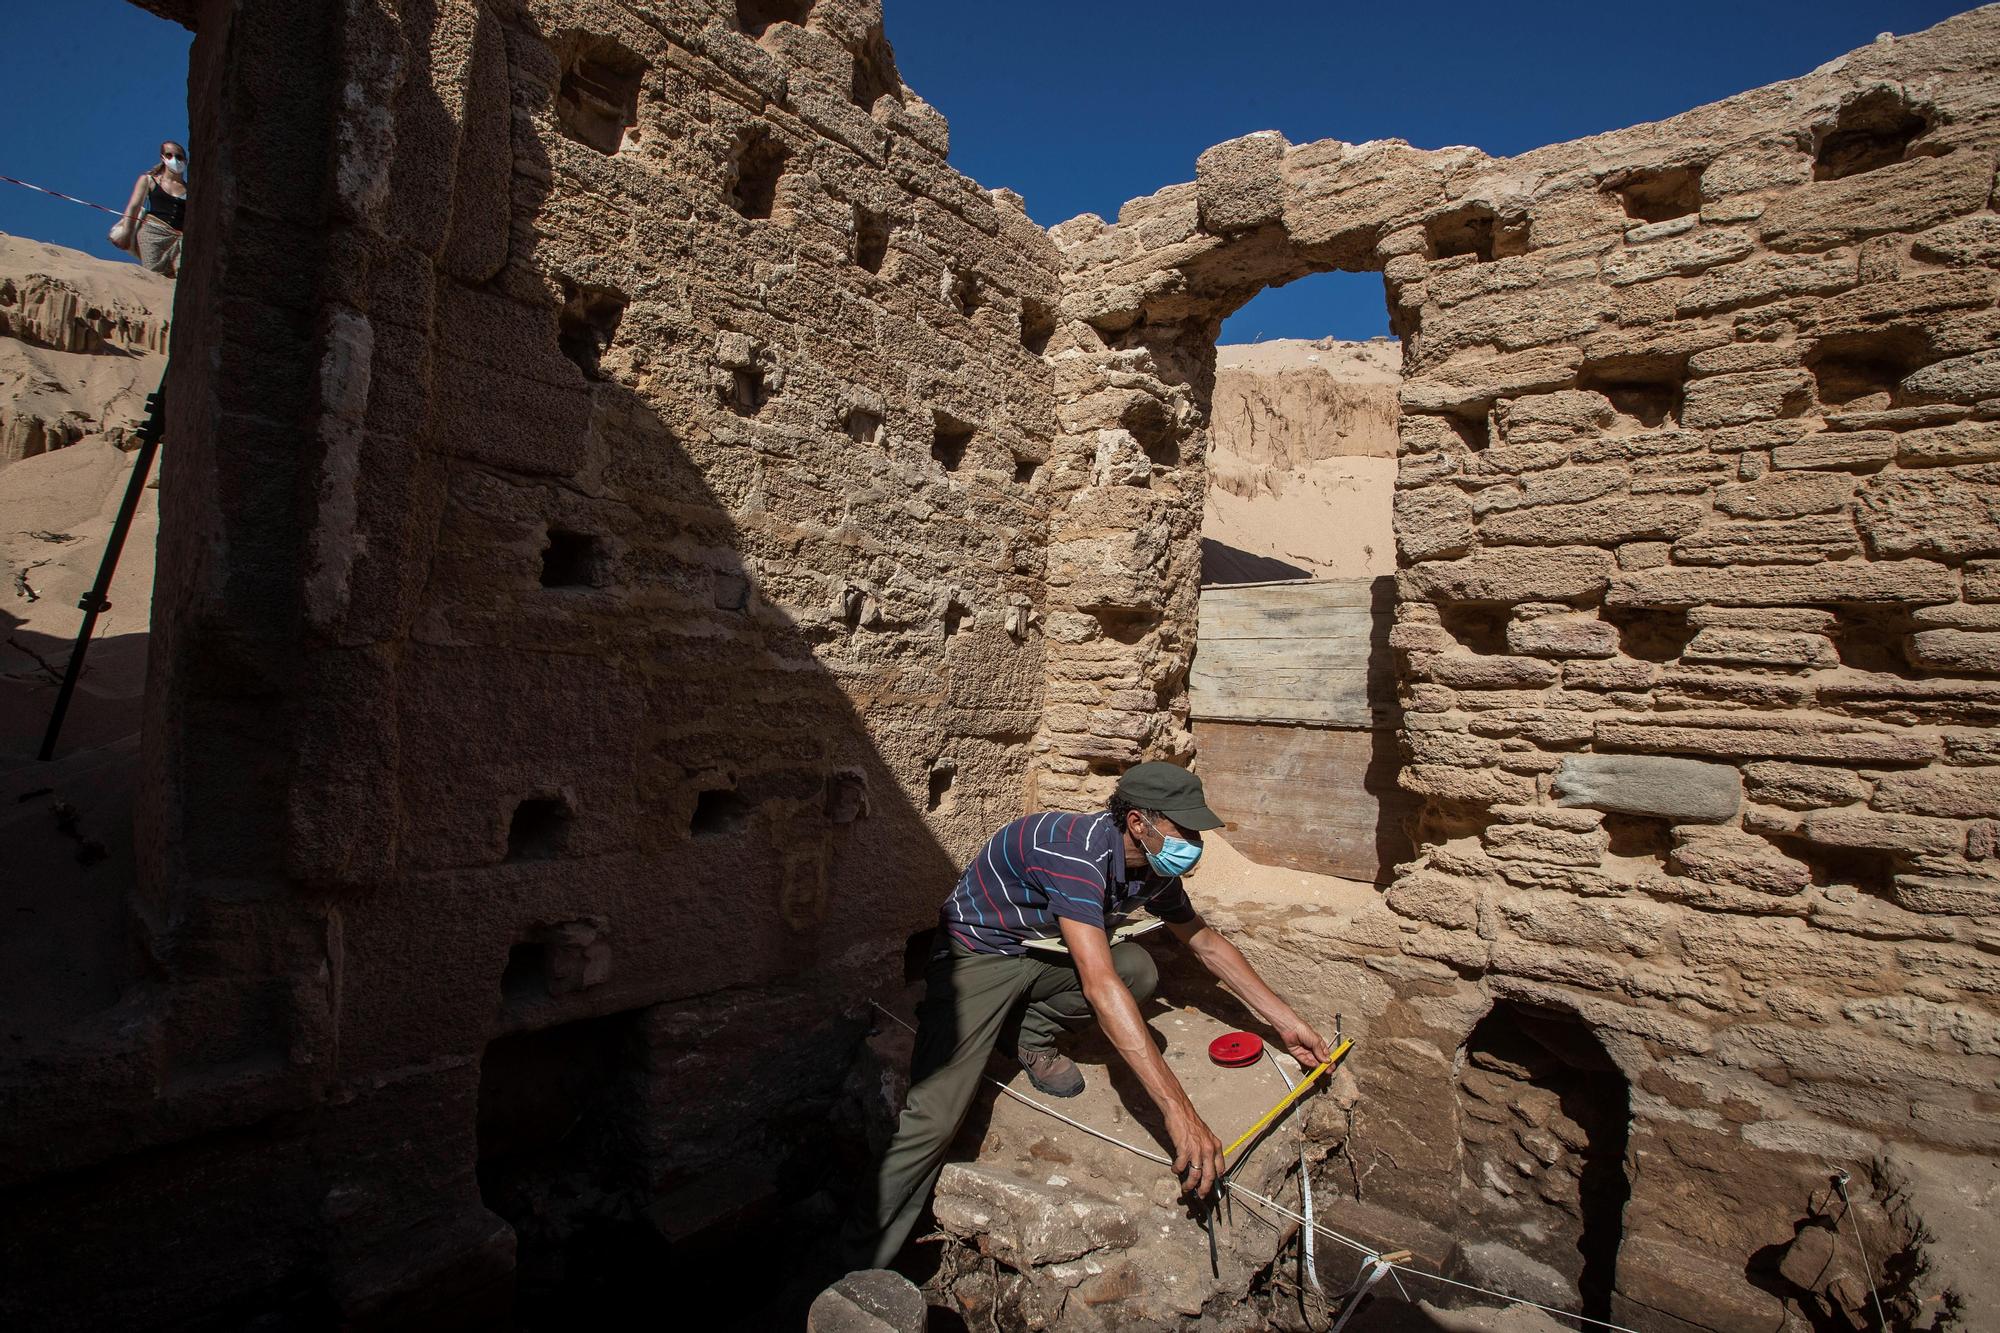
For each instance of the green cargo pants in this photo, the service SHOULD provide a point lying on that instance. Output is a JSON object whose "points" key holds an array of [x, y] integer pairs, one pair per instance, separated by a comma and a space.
{"points": [[973, 1002]]}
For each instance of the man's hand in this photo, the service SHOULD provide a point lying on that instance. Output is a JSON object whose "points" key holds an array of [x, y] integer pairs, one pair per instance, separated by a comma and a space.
{"points": [[1197, 1152], [1307, 1047]]}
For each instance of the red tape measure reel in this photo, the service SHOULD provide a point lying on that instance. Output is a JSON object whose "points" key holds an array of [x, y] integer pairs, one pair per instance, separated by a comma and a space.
{"points": [[1234, 1049]]}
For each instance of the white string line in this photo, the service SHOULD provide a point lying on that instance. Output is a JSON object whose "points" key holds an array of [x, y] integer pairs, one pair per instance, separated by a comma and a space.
{"points": [[1367, 1250], [1840, 1183], [1305, 1182]]}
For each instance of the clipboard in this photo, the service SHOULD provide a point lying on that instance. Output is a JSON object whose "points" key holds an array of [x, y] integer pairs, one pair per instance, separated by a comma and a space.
{"points": [[1128, 929]]}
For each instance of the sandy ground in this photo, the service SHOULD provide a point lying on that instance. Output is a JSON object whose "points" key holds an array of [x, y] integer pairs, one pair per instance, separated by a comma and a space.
{"points": [[1376, 361], [56, 512], [82, 342], [1302, 460]]}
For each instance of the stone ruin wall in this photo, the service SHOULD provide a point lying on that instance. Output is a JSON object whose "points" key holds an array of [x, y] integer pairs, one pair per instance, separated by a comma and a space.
{"points": [[625, 491], [601, 591], [1697, 516]]}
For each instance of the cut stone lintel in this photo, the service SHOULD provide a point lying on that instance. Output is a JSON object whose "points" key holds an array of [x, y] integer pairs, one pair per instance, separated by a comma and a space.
{"points": [[1683, 790]]}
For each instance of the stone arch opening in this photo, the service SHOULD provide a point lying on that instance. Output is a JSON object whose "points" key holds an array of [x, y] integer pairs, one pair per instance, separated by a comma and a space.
{"points": [[1544, 1118], [1292, 668]]}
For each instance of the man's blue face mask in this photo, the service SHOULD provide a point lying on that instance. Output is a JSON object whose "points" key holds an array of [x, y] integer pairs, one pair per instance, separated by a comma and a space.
{"points": [[1177, 856]]}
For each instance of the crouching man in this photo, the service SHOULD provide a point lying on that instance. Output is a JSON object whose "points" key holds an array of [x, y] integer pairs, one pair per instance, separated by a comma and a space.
{"points": [[1041, 876]]}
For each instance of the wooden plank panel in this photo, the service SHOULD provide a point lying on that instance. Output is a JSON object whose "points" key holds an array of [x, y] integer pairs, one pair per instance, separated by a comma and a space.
{"points": [[1294, 653], [1304, 697], [1366, 593], [1308, 798], [1228, 621]]}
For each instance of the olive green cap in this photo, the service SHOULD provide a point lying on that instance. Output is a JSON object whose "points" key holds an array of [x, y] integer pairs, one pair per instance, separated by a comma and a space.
{"points": [[1171, 790]]}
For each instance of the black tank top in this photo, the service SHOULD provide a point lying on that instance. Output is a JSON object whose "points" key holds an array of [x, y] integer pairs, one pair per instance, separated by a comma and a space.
{"points": [[168, 208]]}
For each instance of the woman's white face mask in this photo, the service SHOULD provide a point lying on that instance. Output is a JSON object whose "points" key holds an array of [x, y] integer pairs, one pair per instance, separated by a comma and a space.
{"points": [[177, 165]]}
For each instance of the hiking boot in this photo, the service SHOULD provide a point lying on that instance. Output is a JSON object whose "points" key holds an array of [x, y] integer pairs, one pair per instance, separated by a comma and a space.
{"points": [[1052, 1072]]}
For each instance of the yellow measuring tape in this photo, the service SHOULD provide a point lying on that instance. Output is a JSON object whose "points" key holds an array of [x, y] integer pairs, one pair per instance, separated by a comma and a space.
{"points": [[1339, 1054]]}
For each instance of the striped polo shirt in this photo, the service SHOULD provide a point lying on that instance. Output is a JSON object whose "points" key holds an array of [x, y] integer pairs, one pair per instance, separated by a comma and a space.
{"points": [[1045, 866]]}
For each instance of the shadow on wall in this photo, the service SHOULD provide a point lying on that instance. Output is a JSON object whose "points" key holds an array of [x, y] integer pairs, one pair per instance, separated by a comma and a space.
{"points": [[535, 859], [1223, 565]]}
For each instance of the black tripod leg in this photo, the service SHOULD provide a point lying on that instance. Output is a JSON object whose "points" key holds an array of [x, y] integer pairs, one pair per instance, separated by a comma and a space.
{"points": [[98, 599]]}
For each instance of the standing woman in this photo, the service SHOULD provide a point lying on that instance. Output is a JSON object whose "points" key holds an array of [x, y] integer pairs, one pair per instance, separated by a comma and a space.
{"points": [[151, 225]]}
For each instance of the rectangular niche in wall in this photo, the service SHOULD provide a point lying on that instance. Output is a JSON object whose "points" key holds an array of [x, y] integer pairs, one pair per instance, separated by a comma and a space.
{"points": [[760, 165], [598, 99], [950, 440], [871, 239], [572, 560]]}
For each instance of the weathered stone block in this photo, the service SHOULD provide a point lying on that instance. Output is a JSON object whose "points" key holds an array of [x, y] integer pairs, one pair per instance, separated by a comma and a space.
{"points": [[1239, 183], [1439, 899], [1532, 842], [1563, 636], [1513, 575], [1606, 522], [1433, 522], [1686, 256], [1915, 835], [1563, 485], [1904, 196], [1973, 241], [1745, 735], [1477, 382], [1735, 358], [1945, 511], [1786, 496], [1620, 675], [1771, 278], [1947, 895], [873, 1300], [1468, 671], [1982, 580], [1786, 541], [1941, 446], [1727, 856], [1732, 400], [1912, 581], [1684, 790], [1797, 620], [1954, 793], [1905, 298], [1473, 786], [1749, 647], [1699, 686], [1837, 451], [1451, 748], [1802, 786], [1554, 416], [1956, 650], [1026, 1223], [1628, 926], [1962, 379]]}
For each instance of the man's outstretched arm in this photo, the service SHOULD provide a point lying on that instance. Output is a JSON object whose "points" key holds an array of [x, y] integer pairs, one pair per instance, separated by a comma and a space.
{"points": [[1228, 965], [1197, 1151]]}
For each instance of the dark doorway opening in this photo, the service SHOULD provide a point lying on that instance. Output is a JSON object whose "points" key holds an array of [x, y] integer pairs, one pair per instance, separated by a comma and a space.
{"points": [[1545, 1116], [560, 1116]]}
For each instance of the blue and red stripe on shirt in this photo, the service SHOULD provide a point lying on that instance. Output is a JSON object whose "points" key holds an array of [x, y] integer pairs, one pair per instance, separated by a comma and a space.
{"points": [[1043, 867]]}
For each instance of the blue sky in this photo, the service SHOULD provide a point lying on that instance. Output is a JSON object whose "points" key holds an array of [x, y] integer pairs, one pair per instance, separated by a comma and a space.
{"points": [[1078, 105], [96, 84]]}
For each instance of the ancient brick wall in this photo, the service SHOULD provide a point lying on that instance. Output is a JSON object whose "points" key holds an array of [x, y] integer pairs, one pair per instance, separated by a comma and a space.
{"points": [[634, 518], [607, 488], [1697, 524]]}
